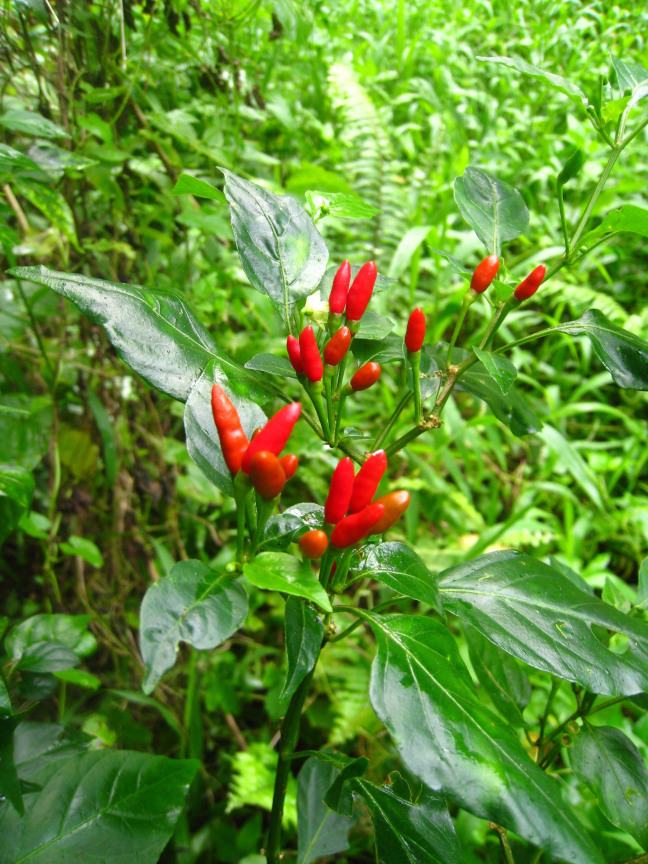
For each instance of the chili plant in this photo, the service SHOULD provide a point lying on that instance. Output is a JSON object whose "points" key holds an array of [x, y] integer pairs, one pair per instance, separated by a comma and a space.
{"points": [[500, 763]]}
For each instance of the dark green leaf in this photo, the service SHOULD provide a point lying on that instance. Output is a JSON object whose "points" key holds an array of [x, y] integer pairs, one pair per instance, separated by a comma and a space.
{"points": [[374, 326], [39, 744], [9, 781], [42, 657], [422, 692], [276, 571], [628, 74], [339, 796], [154, 331], [55, 160], [193, 604], [304, 630], [623, 354], [13, 162], [320, 831], [540, 617], [511, 409], [572, 167], [70, 631], [31, 123], [281, 251], [5, 702], [387, 350], [107, 432], [188, 185], [270, 364], [96, 807], [501, 677], [610, 764], [283, 529], [500, 368], [340, 204], [26, 429], [398, 566], [556, 81], [18, 484], [494, 209]]}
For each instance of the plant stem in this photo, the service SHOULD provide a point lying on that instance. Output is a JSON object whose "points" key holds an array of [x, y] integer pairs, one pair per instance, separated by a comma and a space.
{"points": [[415, 360], [405, 439], [504, 841], [390, 424], [465, 306], [563, 222]]}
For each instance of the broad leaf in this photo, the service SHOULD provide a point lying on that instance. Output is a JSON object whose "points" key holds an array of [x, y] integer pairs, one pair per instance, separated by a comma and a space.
{"points": [[53, 206], [154, 331], [629, 75], [281, 251], [37, 745], [399, 567], [276, 571], [422, 692], [70, 631], [494, 209], [304, 630], [193, 604], [31, 123], [9, 781], [539, 616], [623, 354], [511, 409], [629, 218], [99, 806], [387, 350], [320, 831], [501, 676], [284, 528], [13, 162], [188, 185], [272, 365], [610, 764], [340, 204], [556, 81], [43, 657], [500, 368]]}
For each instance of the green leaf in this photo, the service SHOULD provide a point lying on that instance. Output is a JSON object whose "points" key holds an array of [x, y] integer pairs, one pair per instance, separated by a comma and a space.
{"points": [[320, 831], [512, 409], [388, 350], [82, 548], [281, 251], [79, 678], [623, 354], [494, 209], [410, 242], [155, 332], [611, 111], [26, 429], [55, 160], [339, 796], [284, 528], [609, 763], [500, 368], [17, 484], [188, 185], [556, 81], [642, 592], [270, 364], [422, 692], [53, 206], [539, 616], [629, 218], [193, 604], [203, 444], [9, 780], [304, 631], [501, 677], [399, 567], [31, 123], [13, 162], [99, 806], [340, 204], [277, 571], [107, 432], [629, 75], [37, 745], [71, 631], [42, 657], [568, 456], [5, 702]]}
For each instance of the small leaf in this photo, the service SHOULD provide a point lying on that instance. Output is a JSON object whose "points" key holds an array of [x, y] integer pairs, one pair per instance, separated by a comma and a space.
{"points": [[188, 185], [284, 528], [304, 631], [399, 567], [79, 678], [629, 75], [512, 409], [500, 368], [193, 604], [494, 209], [320, 831], [276, 571], [610, 764], [340, 204], [84, 548], [43, 657], [108, 439], [611, 111], [556, 81]]}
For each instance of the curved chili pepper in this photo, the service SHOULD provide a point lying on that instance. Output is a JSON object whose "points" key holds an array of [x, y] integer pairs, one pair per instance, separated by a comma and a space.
{"points": [[337, 346], [352, 529], [289, 463], [294, 354], [530, 285], [367, 480], [340, 490], [267, 475], [395, 504], [340, 289], [360, 292], [415, 333], [310, 355], [233, 439], [274, 434], [313, 544], [365, 377], [484, 274]]}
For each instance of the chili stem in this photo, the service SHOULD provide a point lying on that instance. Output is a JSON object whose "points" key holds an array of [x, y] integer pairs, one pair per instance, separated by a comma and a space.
{"points": [[392, 420]]}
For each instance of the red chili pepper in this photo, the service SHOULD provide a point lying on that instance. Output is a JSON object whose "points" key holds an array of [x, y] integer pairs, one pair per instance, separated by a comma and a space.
{"points": [[415, 333], [267, 475], [310, 355], [484, 274], [337, 346], [339, 496], [274, 434], [367, 480], [365, 377], [395, 504], [233, 439], [354, 528], [294, 354], [313, 544], [530, 285], [340, 289], [360, 292], [289, 463]]}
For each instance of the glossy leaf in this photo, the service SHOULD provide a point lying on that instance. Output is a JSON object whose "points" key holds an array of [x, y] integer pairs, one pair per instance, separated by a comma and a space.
{"points": [[556, 81], [501, 676], [284, 528], [493, 208], [629, 218], [304, 631], [320, 831], [539, 616], [9, 781], [53, 206], [511, 409], [98, 806], [277, 571], [399, 567], [340, 204], [71, 631], [281, 251], [423, 693], [37, 745], [629, 75], [500, 368], [188, 185], [31, 123], [272, 365], [610, 764], [13, 162], [42, 657], [154, 332], [193, 604], [387, 350]]}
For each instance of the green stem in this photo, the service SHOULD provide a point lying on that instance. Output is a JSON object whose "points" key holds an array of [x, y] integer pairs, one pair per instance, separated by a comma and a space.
{"points": [[390, 424], [240, 525], [338, 418], [315, 393], [404, 440], [587, 212], [545, 716], [465, 306], [563, 221], [504, 842], [264, 510], [415, 360]]}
